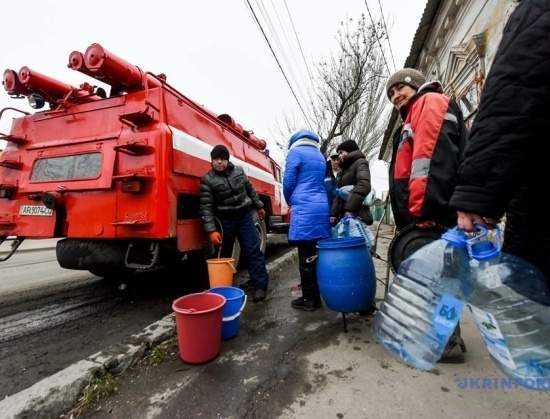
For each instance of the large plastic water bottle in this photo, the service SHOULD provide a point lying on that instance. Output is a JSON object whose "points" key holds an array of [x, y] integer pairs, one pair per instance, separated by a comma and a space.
{"points": [[350, 226], [511, 306], [344, 192], [425, 301]]}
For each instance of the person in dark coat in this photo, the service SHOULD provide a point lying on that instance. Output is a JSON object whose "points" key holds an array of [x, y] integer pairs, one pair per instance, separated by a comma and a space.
{"points": [[226, 193], [304, 191], [427, 151], [355, 171], [504, 168]]}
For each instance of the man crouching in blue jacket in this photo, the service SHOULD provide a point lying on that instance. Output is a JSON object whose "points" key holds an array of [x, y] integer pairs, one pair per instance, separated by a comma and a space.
{"points": [[304, 190]]}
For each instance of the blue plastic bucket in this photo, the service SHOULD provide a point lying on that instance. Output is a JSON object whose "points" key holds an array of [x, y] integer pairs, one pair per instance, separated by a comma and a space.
{"points": [[345, 273], [234, 305]]}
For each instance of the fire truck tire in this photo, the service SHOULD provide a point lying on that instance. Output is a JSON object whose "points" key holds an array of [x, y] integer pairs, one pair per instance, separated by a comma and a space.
{"points": [[236, 254], [261, 230]]}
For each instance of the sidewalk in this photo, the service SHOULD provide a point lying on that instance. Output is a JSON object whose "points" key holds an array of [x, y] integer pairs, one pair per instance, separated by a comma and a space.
{"points": [[291, 364]]}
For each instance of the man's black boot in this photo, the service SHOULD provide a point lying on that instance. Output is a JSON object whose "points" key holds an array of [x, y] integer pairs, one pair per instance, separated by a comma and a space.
{"points": [[305, 304], [259, 295], [369, 311], [247, 286]]}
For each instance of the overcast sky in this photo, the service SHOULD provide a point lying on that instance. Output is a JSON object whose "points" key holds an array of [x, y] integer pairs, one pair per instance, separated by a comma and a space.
{"points": [[212, 51]]}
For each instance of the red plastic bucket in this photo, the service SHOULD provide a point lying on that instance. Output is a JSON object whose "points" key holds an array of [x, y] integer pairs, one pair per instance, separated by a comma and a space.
{"points": [[199, 326]]}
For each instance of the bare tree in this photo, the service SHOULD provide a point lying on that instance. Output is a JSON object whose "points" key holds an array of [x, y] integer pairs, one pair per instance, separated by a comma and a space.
{"points": [[367, 122], [348, 95]]}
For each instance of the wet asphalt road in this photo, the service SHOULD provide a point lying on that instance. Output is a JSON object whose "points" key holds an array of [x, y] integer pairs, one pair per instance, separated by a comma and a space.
{"points": [[69, 315]]}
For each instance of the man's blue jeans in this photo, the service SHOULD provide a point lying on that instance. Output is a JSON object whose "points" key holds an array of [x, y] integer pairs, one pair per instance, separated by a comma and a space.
{"points": [[242, 227]]}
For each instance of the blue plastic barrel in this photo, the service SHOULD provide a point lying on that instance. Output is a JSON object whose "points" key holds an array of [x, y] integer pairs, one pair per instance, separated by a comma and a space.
{"points": [[345, 273], [235, 300]]}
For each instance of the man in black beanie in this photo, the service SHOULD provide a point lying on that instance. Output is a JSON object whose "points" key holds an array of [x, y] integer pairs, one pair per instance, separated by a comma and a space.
{"points": [[226, 193], [219, 152], [347, 146]]}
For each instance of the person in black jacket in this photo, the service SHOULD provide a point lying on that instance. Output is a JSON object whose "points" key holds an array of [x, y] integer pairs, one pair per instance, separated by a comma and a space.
{"points": [[354, 171], [504, 166], [226, 193]]}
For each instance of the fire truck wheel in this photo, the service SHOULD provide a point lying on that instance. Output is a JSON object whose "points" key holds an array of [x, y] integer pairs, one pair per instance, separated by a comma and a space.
{"points": [[261, 230], [236, 254]]}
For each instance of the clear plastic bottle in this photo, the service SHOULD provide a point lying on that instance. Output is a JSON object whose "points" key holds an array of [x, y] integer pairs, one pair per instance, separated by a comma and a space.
{"points": [[510, 303], [425, 301], [344, 191]]}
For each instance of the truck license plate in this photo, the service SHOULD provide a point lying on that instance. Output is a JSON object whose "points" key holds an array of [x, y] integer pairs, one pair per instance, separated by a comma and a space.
{"points": [[40, 210]]}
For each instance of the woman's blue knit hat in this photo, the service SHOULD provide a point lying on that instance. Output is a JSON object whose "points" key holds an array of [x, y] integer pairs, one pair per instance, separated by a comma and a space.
{"points": [[303, 134]]}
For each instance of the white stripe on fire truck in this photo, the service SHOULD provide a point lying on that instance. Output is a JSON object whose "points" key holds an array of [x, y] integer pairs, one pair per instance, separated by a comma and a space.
{"points": [[188, 144]]}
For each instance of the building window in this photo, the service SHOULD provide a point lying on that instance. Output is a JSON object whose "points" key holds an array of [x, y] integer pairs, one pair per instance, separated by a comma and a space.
{"points": [[468, 103]]}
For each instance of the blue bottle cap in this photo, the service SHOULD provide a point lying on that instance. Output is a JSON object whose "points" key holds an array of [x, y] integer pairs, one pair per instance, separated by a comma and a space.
{"points": [[484, 250], [456, 237]]}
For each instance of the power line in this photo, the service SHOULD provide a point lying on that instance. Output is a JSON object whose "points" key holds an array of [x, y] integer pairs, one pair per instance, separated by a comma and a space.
{"points": [[276, 59], [285, 32], [280, 47], [387, 34], [378, 39], [298, 40]]}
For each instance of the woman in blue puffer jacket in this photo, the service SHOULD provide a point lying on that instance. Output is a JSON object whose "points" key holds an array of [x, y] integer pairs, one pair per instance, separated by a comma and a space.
{"points": [[305, 192]]}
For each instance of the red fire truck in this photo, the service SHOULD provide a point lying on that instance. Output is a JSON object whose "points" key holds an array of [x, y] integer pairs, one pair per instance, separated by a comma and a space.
{"points": [[118, 177]]}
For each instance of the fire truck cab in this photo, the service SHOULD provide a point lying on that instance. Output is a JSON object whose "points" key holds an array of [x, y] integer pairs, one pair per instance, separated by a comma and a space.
{"points": [[118, 177]]}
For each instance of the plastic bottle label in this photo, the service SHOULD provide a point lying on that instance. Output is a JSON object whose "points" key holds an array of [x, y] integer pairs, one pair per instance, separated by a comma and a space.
{"points": [[491, 334], [447, 314]]}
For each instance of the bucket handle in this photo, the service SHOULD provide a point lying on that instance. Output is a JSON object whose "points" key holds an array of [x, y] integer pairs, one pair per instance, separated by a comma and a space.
{"points": [[187, 310], [232, 266], [234, 316]]}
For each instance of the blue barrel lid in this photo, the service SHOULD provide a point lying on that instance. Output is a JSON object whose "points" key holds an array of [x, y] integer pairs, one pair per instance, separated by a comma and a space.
{"points": [[341, 243], [484, 250], [456, 237]]}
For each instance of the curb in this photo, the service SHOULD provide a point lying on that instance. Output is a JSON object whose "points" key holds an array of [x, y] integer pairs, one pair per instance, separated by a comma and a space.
{"points": [[33, 247], [58, 393]]}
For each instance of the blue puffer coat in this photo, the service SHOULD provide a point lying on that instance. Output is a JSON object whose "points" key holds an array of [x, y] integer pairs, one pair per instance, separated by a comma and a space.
{"points": [[304, 188]]}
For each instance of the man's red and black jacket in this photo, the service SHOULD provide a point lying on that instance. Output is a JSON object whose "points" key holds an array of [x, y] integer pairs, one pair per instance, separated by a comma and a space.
{"points": [[427, 150]]}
